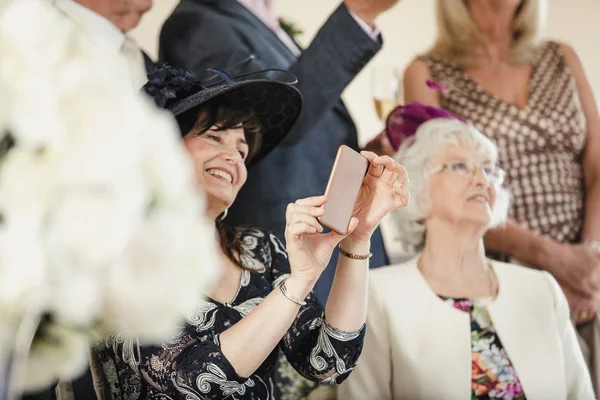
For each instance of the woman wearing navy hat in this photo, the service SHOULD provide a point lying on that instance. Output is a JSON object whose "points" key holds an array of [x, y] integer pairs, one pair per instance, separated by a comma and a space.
{"points": [[263, 300]]}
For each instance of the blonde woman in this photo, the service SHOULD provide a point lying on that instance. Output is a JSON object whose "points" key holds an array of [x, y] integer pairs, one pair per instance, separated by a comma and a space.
{"points": [[532, 98], [450, 324]]}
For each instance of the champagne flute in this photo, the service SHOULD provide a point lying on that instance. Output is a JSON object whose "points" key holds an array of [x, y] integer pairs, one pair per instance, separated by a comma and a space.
{"points": [[385, 90]]}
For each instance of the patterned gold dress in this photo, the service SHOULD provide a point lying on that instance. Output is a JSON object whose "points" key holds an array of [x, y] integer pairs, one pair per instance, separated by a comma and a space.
{"points": [[540, 145]]}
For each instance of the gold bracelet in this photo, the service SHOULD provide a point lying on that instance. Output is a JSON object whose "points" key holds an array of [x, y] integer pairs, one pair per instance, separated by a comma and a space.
{"points": [[287, 294], [354, 256]]}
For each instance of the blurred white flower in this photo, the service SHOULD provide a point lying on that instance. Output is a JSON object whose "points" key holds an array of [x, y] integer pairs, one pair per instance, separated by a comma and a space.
{"points": [[102, 227], [59, 352], [22, 269]]}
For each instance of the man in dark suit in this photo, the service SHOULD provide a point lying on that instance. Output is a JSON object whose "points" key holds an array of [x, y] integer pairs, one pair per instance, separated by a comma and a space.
{"points": [[203, 34]]}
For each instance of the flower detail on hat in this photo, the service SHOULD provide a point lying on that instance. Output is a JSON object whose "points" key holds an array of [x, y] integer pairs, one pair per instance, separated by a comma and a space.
{"points": [[164, 84]]}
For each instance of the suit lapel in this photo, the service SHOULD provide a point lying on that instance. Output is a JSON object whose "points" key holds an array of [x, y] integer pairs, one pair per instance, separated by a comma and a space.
{"points": [[148, 63], [293, 39], [236, 10]]}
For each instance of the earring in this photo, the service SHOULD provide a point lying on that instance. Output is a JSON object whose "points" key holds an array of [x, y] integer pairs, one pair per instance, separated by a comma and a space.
{"points": [[224, 215]]}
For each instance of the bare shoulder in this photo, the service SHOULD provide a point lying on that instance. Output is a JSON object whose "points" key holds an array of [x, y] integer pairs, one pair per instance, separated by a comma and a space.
{"points": [[584, 88], [570, 55], [415, 84], [567, 50], [415, 70]]}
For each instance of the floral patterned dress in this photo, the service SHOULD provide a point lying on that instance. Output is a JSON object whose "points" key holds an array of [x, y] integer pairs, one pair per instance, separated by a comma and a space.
{"points": [[492, 374], [192, 366]]}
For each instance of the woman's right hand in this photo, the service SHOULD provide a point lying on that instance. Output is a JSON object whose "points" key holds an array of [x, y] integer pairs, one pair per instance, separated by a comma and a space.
{"points": [[576, 267], [369, 10], [309, 249]]}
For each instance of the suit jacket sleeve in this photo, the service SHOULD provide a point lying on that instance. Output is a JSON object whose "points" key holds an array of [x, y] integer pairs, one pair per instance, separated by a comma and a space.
{"points": [[577, 378], [372, 377], [338, 52]]}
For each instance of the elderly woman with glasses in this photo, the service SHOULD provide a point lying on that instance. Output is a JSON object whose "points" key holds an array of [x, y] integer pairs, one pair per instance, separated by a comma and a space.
{"points": [[531, 96], [450, 323]]}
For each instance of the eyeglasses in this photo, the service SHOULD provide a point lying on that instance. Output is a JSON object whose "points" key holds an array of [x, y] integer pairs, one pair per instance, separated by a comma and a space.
{"points": [[493, 173]]}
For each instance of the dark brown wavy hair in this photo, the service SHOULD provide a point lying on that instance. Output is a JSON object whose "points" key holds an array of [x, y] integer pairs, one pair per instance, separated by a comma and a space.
{"points": [[224, 113]]}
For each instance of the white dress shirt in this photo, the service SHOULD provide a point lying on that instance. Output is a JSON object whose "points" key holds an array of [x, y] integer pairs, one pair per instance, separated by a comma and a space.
{"points": [[419, 347], [106, 34]]}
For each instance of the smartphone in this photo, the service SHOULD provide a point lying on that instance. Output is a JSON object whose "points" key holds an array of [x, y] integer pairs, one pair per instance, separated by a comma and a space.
{"points": [[345, 180]]}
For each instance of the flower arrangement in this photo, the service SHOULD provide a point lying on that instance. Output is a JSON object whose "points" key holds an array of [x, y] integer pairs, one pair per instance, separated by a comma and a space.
{"points": [[102, 228]]}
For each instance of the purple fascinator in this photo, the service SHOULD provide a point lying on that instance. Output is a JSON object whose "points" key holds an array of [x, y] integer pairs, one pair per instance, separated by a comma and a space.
{"points": [[403, 121]]}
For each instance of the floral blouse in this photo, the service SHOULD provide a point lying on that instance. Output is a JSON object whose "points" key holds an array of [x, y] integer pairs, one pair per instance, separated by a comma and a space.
{"points": [[192, 366], [492, 374]]}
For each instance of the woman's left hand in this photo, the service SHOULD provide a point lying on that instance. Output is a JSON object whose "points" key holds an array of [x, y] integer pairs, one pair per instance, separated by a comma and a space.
{"points": [[384, 189]]}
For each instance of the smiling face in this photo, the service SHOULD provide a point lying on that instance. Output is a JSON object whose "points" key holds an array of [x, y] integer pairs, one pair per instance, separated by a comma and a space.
{"points": [[222, 136], [219, 158], [463, 186]]}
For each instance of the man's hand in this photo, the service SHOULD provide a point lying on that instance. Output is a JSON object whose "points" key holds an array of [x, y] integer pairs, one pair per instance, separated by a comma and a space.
{"points": [[369, 10]]}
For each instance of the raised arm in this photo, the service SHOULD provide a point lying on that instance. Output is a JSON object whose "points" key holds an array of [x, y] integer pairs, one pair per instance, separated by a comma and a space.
{"points": [[197, 41]]}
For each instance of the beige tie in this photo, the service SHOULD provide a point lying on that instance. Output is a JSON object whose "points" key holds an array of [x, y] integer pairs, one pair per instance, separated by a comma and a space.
{"points": [[135, 63]]}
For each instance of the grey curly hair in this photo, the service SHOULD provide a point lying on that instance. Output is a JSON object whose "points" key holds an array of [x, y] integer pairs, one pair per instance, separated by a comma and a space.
{"points": [[415, 154]]}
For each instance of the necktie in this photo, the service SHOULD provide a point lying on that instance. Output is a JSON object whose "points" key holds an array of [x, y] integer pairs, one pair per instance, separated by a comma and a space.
{"points": [[135, 63]]}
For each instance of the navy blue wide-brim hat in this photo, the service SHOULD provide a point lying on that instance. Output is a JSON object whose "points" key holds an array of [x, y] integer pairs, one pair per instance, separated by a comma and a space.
{"points": [[270, 93]]}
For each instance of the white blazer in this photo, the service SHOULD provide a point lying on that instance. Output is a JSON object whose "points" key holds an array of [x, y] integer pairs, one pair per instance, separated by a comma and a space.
{"points": [[418, 347]]}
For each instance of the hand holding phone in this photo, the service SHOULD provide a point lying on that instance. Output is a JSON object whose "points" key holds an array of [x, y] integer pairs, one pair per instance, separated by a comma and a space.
{"points": [[345, 181]]}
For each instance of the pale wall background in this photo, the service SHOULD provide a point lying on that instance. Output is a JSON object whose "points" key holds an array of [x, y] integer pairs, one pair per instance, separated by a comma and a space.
{"points": [[407, 30]]}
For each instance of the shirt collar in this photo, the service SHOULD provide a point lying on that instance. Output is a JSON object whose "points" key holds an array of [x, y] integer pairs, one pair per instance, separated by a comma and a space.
{"points": [[264, 10], [100, 29]]}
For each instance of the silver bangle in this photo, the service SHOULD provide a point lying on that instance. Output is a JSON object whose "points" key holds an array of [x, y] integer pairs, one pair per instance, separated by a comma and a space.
{"points": [[594, 244], [287, 294]]}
